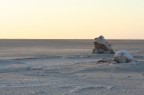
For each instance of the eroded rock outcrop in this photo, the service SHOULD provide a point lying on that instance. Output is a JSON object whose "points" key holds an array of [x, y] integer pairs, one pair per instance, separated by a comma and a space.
{"points": [[101, 46]]}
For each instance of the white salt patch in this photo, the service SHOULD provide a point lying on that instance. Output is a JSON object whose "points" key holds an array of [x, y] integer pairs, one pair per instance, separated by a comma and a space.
{"points": [[126, 53], [90, 87], [123, 56]]}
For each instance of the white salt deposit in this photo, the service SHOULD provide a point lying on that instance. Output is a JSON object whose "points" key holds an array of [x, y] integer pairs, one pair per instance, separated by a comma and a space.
{"points": [[124, 56]]}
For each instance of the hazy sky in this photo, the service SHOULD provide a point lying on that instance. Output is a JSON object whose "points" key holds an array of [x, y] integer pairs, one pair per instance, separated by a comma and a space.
{"points": [[73, 19]]}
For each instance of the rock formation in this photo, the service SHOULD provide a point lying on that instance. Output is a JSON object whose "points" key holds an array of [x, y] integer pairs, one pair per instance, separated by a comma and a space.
{"points": [[102, 46], [123, 56]]}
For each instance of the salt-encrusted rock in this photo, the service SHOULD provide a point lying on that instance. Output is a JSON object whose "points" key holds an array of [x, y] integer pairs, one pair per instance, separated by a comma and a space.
{"points": [[102, 46], [124, 56]]}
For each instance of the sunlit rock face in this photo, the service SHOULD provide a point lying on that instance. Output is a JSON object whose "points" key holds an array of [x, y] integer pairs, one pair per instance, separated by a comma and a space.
{"points": [[101, 46], [123, 56]]}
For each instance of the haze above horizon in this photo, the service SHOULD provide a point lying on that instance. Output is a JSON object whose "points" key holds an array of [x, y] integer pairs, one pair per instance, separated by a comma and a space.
{"points": [[71, 19]]}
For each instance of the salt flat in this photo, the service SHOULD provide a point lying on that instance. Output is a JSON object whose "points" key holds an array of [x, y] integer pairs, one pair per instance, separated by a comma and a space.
{"points": [[68, 67], [71, 79]]}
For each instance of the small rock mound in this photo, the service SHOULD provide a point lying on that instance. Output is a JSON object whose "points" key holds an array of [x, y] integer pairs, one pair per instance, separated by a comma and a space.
{"points": [[121, 56], [102, 46], [124, 56]]}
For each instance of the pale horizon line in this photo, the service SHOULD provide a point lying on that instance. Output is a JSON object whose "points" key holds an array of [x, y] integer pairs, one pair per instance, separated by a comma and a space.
{"points": [[61, 39]]}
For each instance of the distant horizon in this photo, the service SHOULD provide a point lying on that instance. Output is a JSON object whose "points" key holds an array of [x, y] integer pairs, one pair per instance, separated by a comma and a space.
{"points": [[61, 39]]}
